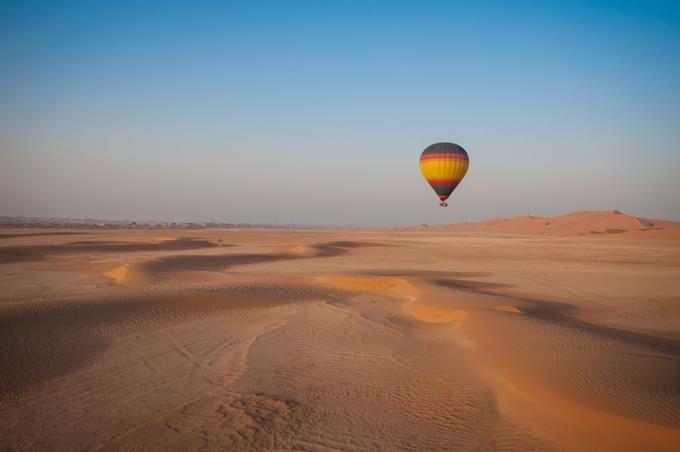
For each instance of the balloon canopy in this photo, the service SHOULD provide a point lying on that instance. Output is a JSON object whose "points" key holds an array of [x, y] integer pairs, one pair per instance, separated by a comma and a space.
{"points": [[444, 165]]}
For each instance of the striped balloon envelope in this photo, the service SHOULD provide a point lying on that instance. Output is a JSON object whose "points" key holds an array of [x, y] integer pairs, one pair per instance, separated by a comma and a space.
{"points": [[444, 165]]}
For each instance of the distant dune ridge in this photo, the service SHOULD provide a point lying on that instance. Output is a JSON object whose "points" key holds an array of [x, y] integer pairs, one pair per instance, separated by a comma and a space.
{"points": [[571, 224], [576, 223]]}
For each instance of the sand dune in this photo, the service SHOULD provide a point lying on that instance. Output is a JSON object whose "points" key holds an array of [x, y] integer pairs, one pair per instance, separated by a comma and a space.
{"points": [[577, 223], [162, 268], [356, 340]]}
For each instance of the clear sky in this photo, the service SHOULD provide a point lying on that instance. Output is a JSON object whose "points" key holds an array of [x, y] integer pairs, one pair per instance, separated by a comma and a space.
{"points": [[316, 112]]}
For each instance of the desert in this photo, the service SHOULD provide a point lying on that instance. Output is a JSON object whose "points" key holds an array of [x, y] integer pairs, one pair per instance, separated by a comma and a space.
{"points": [[449, 338], [340, 226]]}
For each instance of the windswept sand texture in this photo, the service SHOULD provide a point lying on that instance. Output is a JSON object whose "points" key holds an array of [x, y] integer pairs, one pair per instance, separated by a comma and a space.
{"points": [[340, 340]]}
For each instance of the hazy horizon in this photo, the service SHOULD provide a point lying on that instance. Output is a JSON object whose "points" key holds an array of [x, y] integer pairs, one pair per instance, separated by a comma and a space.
{"points": [[275, 222], [316, 113]]}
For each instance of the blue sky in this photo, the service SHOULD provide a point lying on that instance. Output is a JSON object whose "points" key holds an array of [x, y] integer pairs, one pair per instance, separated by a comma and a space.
{"points": [[316, 112]]}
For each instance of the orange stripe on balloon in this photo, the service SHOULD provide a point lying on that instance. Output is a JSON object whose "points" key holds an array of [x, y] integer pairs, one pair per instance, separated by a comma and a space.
{"points": [[443, 181], [443, 157]]}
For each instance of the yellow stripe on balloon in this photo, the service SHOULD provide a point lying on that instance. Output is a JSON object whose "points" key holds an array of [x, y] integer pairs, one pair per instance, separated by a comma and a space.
{"points": [[444, 168]]}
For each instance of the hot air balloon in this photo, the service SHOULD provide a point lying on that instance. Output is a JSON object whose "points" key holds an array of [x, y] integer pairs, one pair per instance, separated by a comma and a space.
{"points": [[444, 165]]}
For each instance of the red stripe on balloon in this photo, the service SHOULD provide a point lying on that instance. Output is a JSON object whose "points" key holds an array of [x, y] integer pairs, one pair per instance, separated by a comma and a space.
{"points": [[444, 181]]}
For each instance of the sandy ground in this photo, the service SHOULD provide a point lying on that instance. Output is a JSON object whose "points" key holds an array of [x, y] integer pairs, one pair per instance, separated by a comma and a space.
{"points": [[323, 340]]}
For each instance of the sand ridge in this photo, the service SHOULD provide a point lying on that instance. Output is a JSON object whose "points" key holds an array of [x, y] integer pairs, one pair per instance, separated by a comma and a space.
{"points": [[610, 222], [155, 270], [20, 253]]}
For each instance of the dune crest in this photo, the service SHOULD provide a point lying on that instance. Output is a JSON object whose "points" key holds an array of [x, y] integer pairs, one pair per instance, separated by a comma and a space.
{"points": [[118, 274], [509, 309], [576, 223], [304, 250], [398, 287]]}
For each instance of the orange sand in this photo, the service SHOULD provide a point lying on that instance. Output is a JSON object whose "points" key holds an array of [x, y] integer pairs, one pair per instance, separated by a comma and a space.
{"points": [[327, 340]]}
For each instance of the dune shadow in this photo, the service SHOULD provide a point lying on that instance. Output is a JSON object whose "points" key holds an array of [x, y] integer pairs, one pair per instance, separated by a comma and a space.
{"points": [[13, 256], [37, 252], [559, 313], [339, 247], [550, 311], [121, 247], [210, 263], [195, 262], [350, 244], [608, 231], [427, 274], [564, 314], [466, 284], [37, 234]]}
